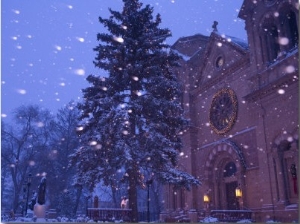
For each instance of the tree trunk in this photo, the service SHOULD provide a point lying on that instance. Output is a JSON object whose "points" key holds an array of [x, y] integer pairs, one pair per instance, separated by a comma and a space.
{"points": [[78, 195], [132, 193], [114, 198], [133, 170], [15, 202]]}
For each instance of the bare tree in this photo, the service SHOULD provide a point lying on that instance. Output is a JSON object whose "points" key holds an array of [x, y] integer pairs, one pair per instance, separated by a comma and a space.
{"points": [[21, 143], [63, 143]]}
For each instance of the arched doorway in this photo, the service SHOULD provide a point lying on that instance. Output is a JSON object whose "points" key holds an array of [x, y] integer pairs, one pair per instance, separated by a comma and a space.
{"points": [[231, 184], [225, 167], [285, 168]]}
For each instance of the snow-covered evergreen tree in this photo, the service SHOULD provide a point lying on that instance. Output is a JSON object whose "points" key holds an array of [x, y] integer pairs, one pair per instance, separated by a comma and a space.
{"points": [[131, 120]]}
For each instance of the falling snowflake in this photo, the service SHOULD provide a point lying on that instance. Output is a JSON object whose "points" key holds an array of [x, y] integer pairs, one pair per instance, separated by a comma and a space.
{"points": [[16, 11], [119, 39], [80, 39], [21, 91], [290, 69], [79, 71], [58, 47]]}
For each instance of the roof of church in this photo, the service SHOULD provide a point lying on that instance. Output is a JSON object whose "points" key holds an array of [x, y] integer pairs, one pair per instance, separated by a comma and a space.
{"points": [[189, 46], [241, 43]]}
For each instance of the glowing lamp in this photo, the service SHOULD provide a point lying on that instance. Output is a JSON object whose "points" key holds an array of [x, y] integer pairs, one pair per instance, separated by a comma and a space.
{"points": [[238, 192], [206, 198]]}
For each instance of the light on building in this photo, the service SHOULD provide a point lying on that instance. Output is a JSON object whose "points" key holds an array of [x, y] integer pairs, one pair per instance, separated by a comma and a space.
{"points": [[238, 192], [206, 198]]}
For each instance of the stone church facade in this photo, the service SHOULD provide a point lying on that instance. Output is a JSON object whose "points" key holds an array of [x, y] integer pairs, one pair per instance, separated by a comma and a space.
{"points": [[242, 101]]}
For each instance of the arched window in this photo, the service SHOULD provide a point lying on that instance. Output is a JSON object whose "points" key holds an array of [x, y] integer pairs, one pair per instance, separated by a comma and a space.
{"points": [[286, 173], [269, 39], [272, 38], [291, 29], [229, 170]]}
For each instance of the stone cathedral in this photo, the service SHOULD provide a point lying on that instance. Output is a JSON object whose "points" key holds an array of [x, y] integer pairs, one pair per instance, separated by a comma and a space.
{"points": [[242, 101]]}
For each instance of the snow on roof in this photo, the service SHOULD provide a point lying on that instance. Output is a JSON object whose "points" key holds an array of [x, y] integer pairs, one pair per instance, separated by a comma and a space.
{"points": [[184, 57], [241, 43], [190, 45], [186, 47]]}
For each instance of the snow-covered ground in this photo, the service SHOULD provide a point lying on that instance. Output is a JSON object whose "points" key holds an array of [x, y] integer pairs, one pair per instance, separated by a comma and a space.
{"points": [[84, 219], [79, 219]]}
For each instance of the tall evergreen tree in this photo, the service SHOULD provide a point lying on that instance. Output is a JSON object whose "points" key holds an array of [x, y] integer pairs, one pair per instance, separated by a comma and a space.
{"points": [[131, 120]]}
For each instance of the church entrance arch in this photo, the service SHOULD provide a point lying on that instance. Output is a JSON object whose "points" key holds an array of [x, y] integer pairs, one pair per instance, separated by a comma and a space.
{"points": [[225, 165], [226, 182]]}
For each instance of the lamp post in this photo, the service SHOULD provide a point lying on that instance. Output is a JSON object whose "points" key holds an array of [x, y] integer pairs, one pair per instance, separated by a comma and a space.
{"points": [[28, 186], [87, 197], [24, 197], [206, 203], [148, 182], [239, 195]]}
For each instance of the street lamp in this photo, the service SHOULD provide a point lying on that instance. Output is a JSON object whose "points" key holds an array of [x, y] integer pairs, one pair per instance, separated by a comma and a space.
{"points": [[239, 195], [148, 182], [28, 186], [206, 202], [87, 197], [206, 198], [24, 197], [238, 192]]}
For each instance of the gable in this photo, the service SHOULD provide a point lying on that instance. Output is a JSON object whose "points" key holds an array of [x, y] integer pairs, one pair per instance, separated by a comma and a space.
{"points": [[221, 56]]}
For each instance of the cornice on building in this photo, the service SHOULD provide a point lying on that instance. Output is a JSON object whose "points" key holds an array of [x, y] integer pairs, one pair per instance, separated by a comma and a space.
{"points": [[271, 88], [272, 78]]}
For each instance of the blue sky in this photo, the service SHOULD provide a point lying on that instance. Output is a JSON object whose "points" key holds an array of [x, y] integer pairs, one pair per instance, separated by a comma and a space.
{"points": [[47, 45]]}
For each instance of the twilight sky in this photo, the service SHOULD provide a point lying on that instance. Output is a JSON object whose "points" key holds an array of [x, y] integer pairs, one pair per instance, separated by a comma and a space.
{"points": [[47, 45]]}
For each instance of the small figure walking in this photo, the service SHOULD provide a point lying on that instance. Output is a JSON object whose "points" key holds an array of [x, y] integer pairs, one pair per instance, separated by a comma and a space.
{"points": [[124, 205], [124, 202]]}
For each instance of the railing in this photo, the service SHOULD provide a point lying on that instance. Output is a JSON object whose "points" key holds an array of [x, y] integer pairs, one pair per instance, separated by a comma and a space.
{"points": [[109, 214], [143, 216], [231, 215]]}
